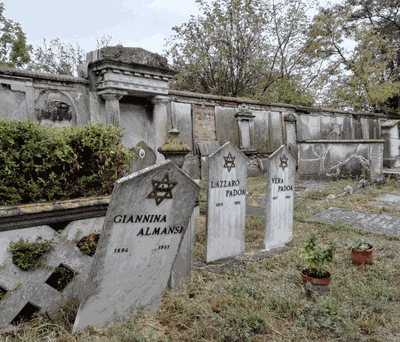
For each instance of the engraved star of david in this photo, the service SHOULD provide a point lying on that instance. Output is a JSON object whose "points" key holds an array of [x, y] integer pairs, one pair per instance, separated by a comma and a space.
{"points": [[229, 162], [162, 189], [284, 162]]}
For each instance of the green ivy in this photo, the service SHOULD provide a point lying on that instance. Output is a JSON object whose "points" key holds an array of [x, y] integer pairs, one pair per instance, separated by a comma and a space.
{"points": [[43, 163]]}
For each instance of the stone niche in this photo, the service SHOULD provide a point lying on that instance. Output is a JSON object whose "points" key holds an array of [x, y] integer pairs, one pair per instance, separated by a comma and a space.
{"points": [[55, 107], [391, 151], [138, 77], [245, 120]]}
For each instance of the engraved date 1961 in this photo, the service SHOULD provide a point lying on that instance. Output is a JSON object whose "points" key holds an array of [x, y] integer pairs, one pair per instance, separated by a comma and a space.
{"points": [[163, 247]]}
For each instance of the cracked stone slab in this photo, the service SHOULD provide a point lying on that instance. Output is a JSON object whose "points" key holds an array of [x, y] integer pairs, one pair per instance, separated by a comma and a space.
{"points": [[390, 198], [373, 222]]}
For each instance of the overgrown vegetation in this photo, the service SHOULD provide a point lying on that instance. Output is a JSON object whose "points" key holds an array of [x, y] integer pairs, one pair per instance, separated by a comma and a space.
{"points": [[261, 299], [29, 255], [45, 163]]}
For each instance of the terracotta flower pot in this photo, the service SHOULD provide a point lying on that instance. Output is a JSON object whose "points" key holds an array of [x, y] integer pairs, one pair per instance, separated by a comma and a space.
{"points": [[361, 257], [318, 285]]}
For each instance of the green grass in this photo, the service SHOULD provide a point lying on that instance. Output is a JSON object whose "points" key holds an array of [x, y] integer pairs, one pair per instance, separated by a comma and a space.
{"points": [[263, 300]]}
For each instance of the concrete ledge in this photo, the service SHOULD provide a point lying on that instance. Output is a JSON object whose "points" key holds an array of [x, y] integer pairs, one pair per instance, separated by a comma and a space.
{"points": [[37, 214]]}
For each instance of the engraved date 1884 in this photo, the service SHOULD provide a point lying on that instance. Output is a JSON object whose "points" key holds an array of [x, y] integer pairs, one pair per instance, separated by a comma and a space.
{"points": [[163, 247]]}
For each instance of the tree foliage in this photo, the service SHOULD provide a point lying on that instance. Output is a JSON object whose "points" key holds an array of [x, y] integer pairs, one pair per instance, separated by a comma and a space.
{"points": [[57, 57], [365, 75], [14, 50], [247, 48]]}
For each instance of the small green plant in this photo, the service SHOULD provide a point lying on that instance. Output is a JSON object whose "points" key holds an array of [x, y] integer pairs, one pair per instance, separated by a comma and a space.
{"points": [[316, 256], [361, 244], [88, 244], [29, 255]]}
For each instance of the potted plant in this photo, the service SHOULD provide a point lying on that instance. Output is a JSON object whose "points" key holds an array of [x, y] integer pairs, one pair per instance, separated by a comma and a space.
{"points": [[317, 258], [361, 250]]}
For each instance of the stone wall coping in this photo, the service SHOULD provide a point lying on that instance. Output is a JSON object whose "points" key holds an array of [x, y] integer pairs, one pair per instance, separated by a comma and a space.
{"points": [[41, 75], [300, 110], [366, 141], [37, 214]]}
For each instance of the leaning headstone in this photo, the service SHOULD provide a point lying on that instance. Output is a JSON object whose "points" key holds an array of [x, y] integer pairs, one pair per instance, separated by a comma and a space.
{"points": [[226, 203], [281, 169], [144, 157], [142, 233]]}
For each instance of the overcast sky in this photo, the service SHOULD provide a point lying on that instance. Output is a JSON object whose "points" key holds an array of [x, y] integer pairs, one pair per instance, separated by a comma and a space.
{"points": [[134, 23]]}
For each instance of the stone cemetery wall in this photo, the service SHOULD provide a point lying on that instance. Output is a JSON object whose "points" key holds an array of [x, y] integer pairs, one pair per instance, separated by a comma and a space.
{"points": [[279, 200], [136, 97], [331, 158], [226, 203]]}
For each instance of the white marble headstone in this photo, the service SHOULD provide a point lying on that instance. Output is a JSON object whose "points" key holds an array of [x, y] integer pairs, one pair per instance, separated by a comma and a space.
{"points": [[281, 171], [226, 203], [147, 218]]}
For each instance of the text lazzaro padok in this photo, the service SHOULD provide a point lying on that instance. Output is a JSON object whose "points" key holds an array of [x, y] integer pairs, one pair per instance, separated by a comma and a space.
{"points": [[149, 219], [228, 184]]}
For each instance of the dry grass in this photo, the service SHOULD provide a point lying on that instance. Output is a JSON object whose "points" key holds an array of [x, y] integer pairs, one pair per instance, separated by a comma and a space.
{"points": [[262, 300]]}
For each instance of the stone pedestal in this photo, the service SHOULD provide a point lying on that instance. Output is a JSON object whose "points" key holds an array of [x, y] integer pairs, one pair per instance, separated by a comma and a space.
{"points": [[160, 113], [112, 108]]}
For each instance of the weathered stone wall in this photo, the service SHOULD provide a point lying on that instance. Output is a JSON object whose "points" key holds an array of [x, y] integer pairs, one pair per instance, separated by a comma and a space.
{"points": [[199, 117], [328, 159], [23, 94]]}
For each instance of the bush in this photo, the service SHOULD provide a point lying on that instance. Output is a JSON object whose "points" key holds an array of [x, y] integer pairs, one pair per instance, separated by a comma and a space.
{"points": [[44, 163]]}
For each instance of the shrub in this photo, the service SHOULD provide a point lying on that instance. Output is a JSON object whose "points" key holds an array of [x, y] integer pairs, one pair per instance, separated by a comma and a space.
{"points": [[43, 162]]}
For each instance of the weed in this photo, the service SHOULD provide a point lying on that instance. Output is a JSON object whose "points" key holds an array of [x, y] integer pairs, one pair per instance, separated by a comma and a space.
{"points": [[29, 255]]}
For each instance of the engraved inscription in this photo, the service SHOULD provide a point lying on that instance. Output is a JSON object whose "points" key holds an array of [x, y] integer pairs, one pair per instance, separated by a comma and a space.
{"points": [[162, 189], [163, 247], [219, 204], [237, 202], [275, 197], [120, 250], [287, 196], [229, 162], [160, 231]]}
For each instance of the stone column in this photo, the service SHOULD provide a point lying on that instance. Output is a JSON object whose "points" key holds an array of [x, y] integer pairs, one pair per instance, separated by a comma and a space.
{"points": [[112, 108], [160, 113]]}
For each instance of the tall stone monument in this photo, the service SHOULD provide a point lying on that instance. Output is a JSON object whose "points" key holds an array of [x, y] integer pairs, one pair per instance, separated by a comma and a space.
{"points": [[147, 218], [226, 203], [281, 171]]}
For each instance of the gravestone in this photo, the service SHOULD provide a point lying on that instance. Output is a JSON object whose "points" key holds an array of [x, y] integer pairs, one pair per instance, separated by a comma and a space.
{"points": [[142, 233], [144, 157], [373, 222], [226, 203], [279, 201]]}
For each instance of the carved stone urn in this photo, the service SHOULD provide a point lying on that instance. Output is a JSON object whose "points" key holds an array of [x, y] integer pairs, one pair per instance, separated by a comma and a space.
{"points": [[174, 148]]}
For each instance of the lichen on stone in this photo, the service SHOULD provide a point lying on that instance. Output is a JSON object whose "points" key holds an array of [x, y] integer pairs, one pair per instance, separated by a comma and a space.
{"points": [[175, 144]]}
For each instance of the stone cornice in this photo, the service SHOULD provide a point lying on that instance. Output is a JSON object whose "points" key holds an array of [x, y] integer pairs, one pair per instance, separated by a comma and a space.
{"points": [[42, 75], [131, 68]]}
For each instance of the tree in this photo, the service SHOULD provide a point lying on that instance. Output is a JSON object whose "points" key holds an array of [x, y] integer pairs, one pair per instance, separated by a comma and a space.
{"points": [[14, 51], [62, 58], [366, 76], [247, 48], [57, 57]]}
